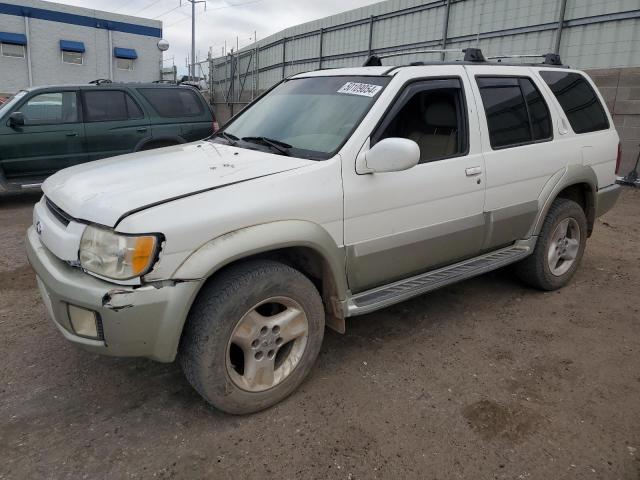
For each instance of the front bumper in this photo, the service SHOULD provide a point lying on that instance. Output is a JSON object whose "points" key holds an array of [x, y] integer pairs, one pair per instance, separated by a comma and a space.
{"points": [[136, 322], [607, 198]]}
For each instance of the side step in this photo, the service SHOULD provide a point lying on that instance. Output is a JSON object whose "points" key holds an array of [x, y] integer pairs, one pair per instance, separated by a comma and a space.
{"points": [[396, 292]]}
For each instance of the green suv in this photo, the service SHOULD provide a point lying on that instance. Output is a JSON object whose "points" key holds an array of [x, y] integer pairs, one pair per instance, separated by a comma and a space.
{"points": [[46, 129]]}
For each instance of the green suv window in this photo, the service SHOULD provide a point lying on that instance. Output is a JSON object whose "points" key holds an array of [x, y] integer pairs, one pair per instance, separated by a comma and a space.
{"points": [[110, 105], [173, 102], [51, 108]]}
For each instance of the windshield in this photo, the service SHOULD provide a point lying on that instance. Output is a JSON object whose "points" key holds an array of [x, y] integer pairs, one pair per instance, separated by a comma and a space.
{"points": [[309, 117], [11, 101]]}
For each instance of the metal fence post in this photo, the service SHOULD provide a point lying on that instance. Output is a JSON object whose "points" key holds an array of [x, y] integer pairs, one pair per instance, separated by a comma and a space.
{"points": [[284, 55], [320, 52], [563, 8], [445, 28], [370, 35]]}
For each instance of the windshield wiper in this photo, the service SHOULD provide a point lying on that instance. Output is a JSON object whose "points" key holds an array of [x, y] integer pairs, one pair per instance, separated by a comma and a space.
{"points": [[232, 139], [282, 147]]}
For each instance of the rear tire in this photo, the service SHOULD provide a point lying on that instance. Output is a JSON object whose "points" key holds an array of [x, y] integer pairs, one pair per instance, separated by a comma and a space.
{"points": [[252, 336], [559, 249]]}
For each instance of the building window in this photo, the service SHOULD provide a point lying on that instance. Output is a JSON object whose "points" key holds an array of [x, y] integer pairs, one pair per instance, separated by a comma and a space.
{"points": [[124, 64], [75, 58], [11, 50]]}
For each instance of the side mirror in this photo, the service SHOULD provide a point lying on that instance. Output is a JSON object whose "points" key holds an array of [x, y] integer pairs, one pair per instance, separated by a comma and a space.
{"points": [[16, 119], [389, 155]]}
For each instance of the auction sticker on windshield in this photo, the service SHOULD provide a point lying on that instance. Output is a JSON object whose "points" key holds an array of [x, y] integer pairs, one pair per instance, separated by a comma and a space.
{"points": [[363, 89]]}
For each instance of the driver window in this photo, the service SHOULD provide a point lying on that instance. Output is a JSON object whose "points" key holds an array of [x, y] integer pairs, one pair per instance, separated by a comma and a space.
{"points": [[50, 108], [431, 117]]}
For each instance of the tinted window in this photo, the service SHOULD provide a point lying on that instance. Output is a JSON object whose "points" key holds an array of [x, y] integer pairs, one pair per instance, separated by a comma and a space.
{"points": [[506, 111], [516, 112], [133, 109], [431, 117], [174, 102], [109, 105], [578, 100], [538, 110], [51, 108]]}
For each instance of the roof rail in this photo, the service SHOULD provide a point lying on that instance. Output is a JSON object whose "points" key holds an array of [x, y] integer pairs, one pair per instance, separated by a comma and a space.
{"points": [[470, 55], [100, 81], [547, 58]]}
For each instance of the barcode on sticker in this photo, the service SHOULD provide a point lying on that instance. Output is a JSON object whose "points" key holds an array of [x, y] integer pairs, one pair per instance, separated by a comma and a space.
{"points": [[364, 89]]}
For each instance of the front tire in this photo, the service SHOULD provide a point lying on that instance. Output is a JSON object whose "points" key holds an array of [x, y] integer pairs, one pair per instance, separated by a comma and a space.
{"points": [[559, 249], [252, 336]]}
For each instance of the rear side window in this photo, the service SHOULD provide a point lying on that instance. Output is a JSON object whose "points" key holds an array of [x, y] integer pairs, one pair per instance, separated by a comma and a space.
{"points": [[110, 105], [578, 100], [174, 102], [516, 111]]}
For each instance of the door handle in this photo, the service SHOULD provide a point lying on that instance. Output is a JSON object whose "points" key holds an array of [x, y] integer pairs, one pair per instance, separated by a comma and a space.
{"points": [[471, 171], [72, 134], [141, 130]]}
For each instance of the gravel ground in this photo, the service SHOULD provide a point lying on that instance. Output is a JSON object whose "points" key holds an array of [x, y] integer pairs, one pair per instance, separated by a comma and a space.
{"points": [[483, 379]]}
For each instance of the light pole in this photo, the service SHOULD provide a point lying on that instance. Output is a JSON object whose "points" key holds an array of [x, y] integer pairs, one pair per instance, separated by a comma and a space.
{"points": [[192, 70]]}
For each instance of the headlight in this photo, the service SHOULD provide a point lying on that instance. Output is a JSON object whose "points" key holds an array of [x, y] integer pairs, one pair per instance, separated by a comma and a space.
{"points": [[117, 256]]}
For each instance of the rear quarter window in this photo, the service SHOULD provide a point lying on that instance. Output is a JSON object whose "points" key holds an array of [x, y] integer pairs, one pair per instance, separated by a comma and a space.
{"points": [[174, 102], [579, 101]]}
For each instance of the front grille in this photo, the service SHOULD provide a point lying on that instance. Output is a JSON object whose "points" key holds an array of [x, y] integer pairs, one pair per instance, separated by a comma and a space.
{"points": [[63, 217]]}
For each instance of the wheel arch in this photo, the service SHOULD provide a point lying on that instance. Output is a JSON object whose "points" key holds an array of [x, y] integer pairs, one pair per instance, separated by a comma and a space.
{"points": [[304, 245], [578, 183]]}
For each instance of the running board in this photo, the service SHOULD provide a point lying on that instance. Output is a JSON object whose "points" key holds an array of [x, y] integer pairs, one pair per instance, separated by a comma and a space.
{"points": [[396, 292]]}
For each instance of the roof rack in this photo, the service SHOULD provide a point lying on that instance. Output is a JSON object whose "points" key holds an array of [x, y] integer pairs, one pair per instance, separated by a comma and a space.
{"points": [[100, 81], [471, 55]]}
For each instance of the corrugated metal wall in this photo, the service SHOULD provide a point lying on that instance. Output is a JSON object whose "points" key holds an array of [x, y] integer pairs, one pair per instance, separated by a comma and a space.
{"points": [[596, 34]]}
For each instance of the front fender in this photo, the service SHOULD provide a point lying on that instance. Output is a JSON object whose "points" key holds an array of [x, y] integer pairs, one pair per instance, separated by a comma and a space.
{"points": [[248, 241]]}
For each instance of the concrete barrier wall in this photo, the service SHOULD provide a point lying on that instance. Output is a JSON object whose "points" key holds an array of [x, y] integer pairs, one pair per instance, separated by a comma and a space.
{"points": [[620, 88]]}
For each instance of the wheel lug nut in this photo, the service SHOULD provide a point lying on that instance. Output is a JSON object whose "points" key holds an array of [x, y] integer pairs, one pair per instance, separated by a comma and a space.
{"points": [[255, 343], [264, 330], [271, 353], [259, 355], [276, 330], [279, 341]]}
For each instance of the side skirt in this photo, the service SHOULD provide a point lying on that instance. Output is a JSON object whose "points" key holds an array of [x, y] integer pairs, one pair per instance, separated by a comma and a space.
{"points": [[402, 290]]}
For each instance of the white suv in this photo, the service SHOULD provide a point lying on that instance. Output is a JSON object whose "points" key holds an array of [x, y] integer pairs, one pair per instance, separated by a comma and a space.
{"points": [[336, 193]]}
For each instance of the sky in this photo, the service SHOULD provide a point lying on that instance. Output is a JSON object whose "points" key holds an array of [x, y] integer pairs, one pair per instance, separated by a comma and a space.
{"points": [[222, 21]]}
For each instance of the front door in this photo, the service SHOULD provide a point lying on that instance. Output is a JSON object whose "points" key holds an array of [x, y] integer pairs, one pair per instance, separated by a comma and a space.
{"points": [[114, 123], [52, 137], [401, 224]]}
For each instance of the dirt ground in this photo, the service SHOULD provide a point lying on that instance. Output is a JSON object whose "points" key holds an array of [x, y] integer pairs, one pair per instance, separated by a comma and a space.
{"points": [[484, 379]]}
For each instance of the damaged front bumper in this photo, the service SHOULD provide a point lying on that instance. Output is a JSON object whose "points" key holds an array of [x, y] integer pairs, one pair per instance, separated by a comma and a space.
{"points": [[142, 321]]}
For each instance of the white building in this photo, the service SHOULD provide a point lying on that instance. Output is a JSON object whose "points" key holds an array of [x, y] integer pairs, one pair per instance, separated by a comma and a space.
{"points": [[44, 43]]}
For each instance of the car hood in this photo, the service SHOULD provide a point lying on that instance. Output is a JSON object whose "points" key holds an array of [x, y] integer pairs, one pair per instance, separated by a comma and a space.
{"points": [[106, 190]]}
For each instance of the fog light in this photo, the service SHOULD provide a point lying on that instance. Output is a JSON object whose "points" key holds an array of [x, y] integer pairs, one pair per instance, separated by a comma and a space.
{"points": [[84, 322]]}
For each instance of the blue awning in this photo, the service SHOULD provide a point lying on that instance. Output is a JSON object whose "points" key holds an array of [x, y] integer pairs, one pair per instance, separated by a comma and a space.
{"points": [[125, 53], [14, 38], [69, 46]]}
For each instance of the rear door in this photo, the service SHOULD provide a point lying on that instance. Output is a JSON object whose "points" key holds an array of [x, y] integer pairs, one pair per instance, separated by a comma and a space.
{"points": [[521, 154], [179, 111], [51, 138], [115, 123]]}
